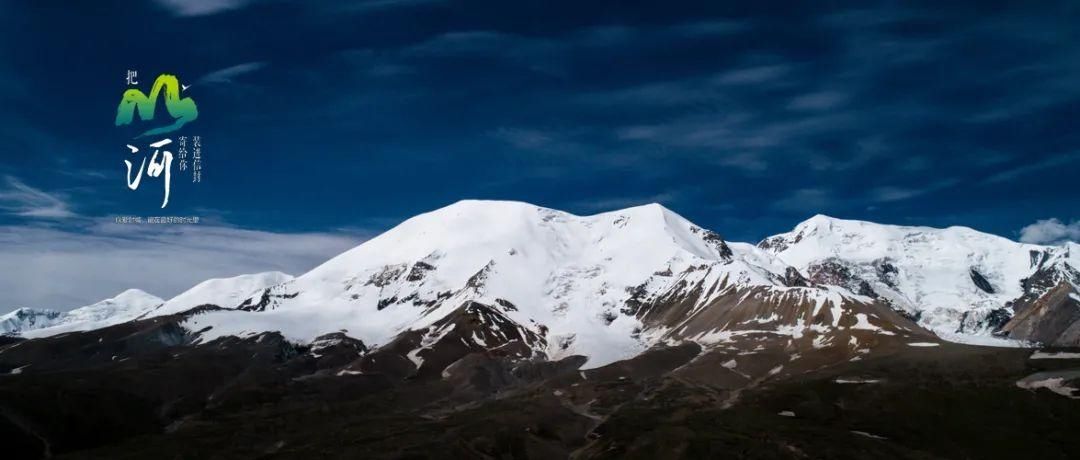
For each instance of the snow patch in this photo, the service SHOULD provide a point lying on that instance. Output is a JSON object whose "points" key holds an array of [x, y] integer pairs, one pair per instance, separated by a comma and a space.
{"points": [[855, 380], [1057, 355]]}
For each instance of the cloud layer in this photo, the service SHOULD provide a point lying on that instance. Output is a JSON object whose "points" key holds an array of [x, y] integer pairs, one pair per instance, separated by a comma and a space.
{"points": [[22, 200], [63, 269], [1050, 231]]}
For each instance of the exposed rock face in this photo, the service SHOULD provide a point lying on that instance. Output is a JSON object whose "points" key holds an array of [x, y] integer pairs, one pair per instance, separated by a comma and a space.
{"points": [[792, 278], [831, 271], [721, 314], [1049, 273], [267, 299], [336, 350], [1052, 319], [472, 328], [981, 282]]}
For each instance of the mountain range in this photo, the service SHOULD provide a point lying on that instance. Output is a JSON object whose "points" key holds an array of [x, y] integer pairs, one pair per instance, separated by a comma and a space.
{"points": [[458, 316], [600, 285]]}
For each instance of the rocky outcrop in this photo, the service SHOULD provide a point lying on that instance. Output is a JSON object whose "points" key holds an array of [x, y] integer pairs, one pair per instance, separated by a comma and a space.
{"points": [[1051, 319]]}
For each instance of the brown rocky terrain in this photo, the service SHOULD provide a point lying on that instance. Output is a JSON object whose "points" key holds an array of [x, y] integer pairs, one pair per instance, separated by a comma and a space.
{"points": [[146, 389]]}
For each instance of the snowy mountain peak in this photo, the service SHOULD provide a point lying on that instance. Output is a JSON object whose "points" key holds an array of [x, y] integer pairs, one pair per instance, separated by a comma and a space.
{"points": [[222, 292], [821, 224], [612, 284], [494, 230], [134, 296], [135, 304], [129, 302], [955, 279], [816, 221], [22, 319], [579, 282], [125, 306]]}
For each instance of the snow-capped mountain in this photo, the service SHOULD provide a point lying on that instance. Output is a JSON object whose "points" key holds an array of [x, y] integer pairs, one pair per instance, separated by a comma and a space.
{"points": [[126, 306], [511, 277], [955, 281], [607, 286], [222, 292], [22, 319], [135, 304]]}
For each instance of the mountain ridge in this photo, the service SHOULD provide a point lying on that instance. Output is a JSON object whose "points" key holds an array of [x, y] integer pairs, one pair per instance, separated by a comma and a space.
{"points": [[583, 280], [566, 266], [523, 332]]}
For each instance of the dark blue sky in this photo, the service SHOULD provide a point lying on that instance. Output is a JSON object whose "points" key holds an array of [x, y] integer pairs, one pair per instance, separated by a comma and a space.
{"points": [[745, 117]]}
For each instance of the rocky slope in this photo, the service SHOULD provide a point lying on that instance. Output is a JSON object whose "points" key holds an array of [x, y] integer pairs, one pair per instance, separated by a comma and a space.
{"points": [[143, 387]]}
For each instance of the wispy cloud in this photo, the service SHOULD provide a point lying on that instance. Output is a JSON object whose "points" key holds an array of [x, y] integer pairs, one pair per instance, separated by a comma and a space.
{"points": [[523, 138], [554, 55], [894, 193], [820, 199], [753, 75], [228, 74], [1050, 231], [1023, 170], [23, 200], [201, 7], [805, 201], [818, 100]]}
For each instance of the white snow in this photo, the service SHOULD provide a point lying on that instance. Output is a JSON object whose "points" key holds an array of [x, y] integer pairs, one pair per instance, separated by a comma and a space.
{"points": [[567, 273], [923, 344], [858, 381], [135, 304], [568, 278], [23, 319], [126, 306], [1053, 381], [985, 340], [1057, 355], [862, 322], [223, 292], [933, 267], [868, 435]]}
